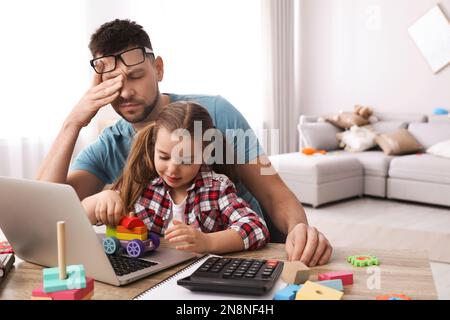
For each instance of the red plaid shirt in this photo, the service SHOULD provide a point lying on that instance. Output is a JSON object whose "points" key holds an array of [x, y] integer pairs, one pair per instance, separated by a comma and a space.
{"points": [[212, 205]]}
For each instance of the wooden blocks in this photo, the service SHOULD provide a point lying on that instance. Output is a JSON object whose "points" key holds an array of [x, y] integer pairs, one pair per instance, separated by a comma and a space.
{"points": [[111, 232], [131, 236], [131, 222], [314, 291], [64, 282], [345, 276], [287, 293], [137, 230], [76, 279], [74, 294], [290, 291], [295, 272], [395, 296]]}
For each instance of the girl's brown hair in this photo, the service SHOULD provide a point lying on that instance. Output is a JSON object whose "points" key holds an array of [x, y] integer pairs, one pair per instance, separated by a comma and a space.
{"points": [[140, 169]]}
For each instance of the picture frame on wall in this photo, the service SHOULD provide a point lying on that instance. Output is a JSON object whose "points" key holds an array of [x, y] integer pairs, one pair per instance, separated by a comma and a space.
{"points": [[431, 34]]}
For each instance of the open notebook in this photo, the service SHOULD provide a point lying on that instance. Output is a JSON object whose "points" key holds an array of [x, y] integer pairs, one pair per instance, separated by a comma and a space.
{"points": [[168, 289]]}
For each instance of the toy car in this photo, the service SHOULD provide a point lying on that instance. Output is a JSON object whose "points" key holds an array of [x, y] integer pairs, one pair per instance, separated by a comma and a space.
{"points": [[131, 235]]}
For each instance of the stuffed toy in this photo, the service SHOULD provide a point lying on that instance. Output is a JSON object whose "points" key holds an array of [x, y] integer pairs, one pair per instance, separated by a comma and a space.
{"points": [[359, 117]]}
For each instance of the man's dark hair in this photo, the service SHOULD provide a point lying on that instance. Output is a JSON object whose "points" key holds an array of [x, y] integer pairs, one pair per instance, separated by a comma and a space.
{"points": [[117, 35]]}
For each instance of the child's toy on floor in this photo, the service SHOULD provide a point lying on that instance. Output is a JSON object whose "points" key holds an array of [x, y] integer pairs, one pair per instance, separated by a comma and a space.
{"points": [[64, 282], [295, 272], [312, 151], [394, 296], [315, 291], [345, 276], [131, 234], [363, 260]]}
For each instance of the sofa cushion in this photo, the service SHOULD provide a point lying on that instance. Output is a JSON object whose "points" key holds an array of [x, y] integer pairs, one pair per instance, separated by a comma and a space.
{"points": [[398, 142], [405, 117], [388, 126], [428, 134], [375, 163], [441, 149], [316, 169], [421, 167], [319, 135]]}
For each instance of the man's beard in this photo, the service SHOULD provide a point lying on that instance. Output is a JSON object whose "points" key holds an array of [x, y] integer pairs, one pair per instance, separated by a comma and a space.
{"points": [[136, 118]]}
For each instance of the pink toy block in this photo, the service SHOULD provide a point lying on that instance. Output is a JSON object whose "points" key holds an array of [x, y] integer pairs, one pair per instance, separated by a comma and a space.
{"points": [[75, 294], [345, 276]]}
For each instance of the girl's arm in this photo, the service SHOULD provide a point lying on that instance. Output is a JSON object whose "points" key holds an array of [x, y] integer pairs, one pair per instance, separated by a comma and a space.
{"points": [[224, 241], [189, 238], [237, 214]]}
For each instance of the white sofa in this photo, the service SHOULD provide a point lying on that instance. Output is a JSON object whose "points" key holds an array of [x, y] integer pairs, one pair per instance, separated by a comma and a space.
{"points": [[339, 174]]}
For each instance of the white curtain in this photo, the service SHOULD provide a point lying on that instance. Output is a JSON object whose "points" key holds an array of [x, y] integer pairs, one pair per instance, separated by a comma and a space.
{"points": [[209, 47], [281, 58], [45, 71]]}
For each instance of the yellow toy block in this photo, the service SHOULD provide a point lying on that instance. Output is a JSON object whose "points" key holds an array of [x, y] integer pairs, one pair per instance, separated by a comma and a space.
{"points": [[137, 230], [111, 232], [131, 236], [295, 272], [314, 291]]}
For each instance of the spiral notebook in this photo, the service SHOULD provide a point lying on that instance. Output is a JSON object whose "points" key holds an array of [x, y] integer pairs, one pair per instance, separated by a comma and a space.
{"points": [[168, 289]]}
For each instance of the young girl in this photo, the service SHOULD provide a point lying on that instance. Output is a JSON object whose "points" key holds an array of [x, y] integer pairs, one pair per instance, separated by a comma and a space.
{"points": [[167, 183]]}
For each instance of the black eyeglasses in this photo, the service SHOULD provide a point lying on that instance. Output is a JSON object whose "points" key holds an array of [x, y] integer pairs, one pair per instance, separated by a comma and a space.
{"points": [[130, 57]]}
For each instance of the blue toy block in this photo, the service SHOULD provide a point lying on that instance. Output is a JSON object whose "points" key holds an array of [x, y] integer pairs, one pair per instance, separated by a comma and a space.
{"points": [[288, 292], [76, 279], [335, 284]]}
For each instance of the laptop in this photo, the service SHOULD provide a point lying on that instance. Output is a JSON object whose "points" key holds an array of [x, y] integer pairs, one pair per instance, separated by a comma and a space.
{"points": [[29, 211]]}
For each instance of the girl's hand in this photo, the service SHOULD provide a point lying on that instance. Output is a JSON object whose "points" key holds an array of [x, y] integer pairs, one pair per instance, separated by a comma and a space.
{"points": [[108, 207], [187, 238]]}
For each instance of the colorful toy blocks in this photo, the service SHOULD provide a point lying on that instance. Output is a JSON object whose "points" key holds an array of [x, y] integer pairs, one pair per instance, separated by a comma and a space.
{"points": [[315, 291], [131, 235], [365, 260], [64, 282], [345, 276], [394, 296], [75, 279], [131, 222], [75, 294], [295, 272], [137, 230], [289, 292]]}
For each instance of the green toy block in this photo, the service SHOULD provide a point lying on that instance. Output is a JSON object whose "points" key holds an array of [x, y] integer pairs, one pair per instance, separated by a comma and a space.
{"points": [[365, 260], [76, 279], [111, 232]]}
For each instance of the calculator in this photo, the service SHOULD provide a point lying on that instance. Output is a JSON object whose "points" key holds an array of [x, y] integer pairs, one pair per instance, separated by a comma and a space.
{"points": [[234, 275]]}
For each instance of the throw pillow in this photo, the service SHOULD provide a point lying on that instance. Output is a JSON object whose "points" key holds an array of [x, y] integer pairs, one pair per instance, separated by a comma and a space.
{"points": [[398, 142], [357, 139], [346, 120], [441, 149], [319, 135]]}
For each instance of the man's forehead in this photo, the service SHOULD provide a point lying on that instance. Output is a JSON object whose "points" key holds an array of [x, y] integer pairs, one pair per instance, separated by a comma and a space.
{"points": [[101, 54]]}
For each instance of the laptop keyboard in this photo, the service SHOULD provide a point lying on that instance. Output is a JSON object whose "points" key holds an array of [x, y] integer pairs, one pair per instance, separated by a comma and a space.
{"points": [[125, 265]]}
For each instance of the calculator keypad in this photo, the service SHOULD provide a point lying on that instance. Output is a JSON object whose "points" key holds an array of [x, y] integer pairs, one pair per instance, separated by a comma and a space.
{"points": [[239, 268]]}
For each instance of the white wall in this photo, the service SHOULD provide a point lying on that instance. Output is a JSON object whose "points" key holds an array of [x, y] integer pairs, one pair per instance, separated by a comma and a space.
{"points": [[353, 55]]}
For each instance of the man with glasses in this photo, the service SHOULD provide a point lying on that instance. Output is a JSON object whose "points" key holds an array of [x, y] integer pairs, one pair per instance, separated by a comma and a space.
{"points": [[127, 74]]}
